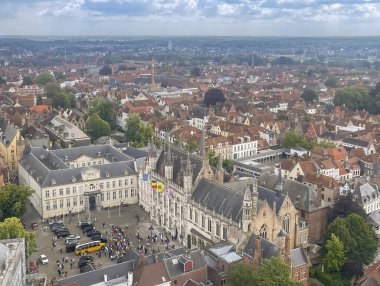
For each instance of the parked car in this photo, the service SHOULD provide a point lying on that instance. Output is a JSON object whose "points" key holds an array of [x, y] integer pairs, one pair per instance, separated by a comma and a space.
{"points": [[44, 260], [93, 232], [70, 241], [55, 221], [71, 247], [99, 238], [85, 224], [60, 230], [87, 268], [33, 267], [85, 259], [88, 228], [77, 237], [34, 225], [63, 233]]}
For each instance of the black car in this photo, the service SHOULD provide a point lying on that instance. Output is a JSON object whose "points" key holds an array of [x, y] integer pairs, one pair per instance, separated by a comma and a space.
{"points": [[60, 230], [57, 226], [99, 238], [87, 268], [71, 247], [88, 228], [93, 232], [62, 233], [83, 260], [122, 258], [85, 225]]}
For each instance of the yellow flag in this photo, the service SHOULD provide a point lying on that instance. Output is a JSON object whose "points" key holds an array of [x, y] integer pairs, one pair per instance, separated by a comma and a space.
{"points": [[160, 187]]}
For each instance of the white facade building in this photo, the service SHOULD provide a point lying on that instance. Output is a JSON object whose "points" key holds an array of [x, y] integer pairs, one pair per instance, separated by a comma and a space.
{"points": [[12, 262], [78, 179]]}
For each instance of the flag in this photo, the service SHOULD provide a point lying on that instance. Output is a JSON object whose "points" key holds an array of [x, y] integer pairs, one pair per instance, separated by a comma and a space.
{"points": [[160, 187], [154, 184], [145, 177]]}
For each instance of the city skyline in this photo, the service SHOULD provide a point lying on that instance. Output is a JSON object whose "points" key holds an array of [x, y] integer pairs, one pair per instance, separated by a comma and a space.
{"points": [[191, 17]]}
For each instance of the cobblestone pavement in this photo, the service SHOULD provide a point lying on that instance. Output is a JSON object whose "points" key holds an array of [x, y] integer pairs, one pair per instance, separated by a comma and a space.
{"points": [[127, 217]]}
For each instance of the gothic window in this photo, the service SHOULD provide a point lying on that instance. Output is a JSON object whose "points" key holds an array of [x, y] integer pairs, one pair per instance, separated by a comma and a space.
{"points": [[195, 217], [217, 229], [190, 213], [224, 233], [203, 221], [264, 231], [209, 225], [286, 223]]}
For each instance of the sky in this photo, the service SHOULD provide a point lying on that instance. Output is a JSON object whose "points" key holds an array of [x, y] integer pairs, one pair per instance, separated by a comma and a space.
{"points": [[190, 17]]}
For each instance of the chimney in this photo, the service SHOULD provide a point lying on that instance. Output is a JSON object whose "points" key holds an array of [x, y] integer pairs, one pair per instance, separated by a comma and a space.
{"points": [[130, 278], [257, 256]]}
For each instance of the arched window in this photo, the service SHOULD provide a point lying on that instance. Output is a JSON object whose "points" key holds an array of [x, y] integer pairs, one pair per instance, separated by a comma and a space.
{"points": [[209, 226], [286, 223], [264, 231]]}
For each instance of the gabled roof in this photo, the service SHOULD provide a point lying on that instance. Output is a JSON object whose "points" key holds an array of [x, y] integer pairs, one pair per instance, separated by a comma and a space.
{"points": [[268, 249]]}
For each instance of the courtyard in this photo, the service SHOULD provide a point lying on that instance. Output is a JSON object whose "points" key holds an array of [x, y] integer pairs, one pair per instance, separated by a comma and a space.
{"points": [[132, 216]]}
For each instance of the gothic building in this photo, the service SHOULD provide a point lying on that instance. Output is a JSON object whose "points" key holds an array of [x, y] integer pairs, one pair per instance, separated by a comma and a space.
{"points": [[190, 200]]}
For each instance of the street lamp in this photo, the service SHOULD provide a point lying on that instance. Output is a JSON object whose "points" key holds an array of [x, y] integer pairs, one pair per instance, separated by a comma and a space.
{"points": [[167, 241]]}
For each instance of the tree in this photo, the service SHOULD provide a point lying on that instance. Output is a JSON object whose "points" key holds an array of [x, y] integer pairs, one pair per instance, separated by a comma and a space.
{"points": [[44, 78], [195, 72], [212, 159], [213, 96], [309, 95], [241, 274], [274, 272], [12, 228], [344, 206], [283, 61], [105, 109], [335, 256], [228, 165], [192, 146], [282, 117], [375, 90], [353, 268], [61, 99], [357, 235], [331, 81], [97, 127], [27, 80], [354, 98], [39, 100], [121, 68], [137, 132], [13, 199], [2, 80], [293, 139], [106, 70]]}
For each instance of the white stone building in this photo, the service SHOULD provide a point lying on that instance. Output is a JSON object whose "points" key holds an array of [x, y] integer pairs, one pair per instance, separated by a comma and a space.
{"points": [[78, 179]]}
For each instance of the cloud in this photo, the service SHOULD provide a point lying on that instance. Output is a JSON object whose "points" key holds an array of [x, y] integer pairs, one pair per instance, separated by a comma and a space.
{"points": [[248, 17]]}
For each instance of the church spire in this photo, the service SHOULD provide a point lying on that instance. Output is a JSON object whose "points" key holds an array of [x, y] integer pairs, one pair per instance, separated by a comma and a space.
{"points": [[188, 168], [279, 186], [202, 145]]}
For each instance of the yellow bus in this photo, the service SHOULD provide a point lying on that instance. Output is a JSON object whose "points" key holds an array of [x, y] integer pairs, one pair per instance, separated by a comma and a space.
{"points": [[88, 247]]}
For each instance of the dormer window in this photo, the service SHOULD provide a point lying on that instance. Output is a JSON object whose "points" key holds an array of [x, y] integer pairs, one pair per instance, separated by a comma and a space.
{"points": [[73, 179], [53, 182], [107, 175]]}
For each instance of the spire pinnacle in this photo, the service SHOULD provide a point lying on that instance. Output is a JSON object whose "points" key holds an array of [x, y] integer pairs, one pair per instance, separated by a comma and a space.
{"points": [[220, 162], [202, 145]]}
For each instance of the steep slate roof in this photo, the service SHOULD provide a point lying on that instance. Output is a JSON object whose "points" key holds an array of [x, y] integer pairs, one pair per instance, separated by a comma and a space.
{"points": [[302, 196], [268, 249], [365, 193], [356, 142], [7, 132], [47, 166], [298, 257], [225, 201], [175, 269], [179, 158]]}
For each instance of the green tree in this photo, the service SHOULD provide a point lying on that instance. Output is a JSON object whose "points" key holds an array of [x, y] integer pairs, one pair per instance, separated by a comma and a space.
{"points": [[354, 98], [309, 95], [137, 132], [61, 100], [213, 96], [282, 117], [12, 228], [192, 146], [121, 68], [283, 61], [293, 139], [27, 80], [39, 100], [344, 206], [331, 81], [44, 78], [335, 256], [60, 97], [212, 159], [97, 127], [105, 109], [357, 235], [2, 80], [274, 272], [13, 199], [52, 89], [241, 274], [106, 70], [228, 165]]}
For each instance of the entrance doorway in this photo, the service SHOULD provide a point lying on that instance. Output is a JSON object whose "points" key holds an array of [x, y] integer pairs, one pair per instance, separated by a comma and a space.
{"points": [[92, 202], [188, 241]]}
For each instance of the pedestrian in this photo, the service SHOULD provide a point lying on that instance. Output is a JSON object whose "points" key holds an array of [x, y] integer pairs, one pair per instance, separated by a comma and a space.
{"points": [[59, 272], [95, 219], [60, 250]]}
